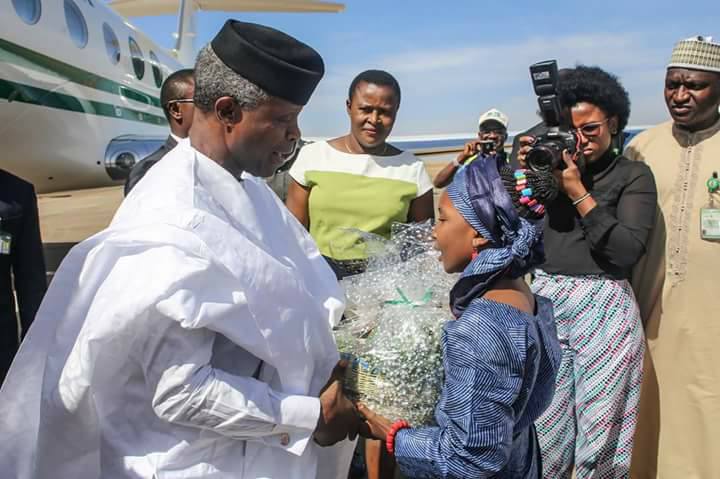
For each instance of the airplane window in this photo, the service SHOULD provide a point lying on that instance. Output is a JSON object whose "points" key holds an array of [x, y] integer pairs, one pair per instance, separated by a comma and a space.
{"points": [[76, 24], [27, 10], [157, 74], [137, 59], [112, 44]]}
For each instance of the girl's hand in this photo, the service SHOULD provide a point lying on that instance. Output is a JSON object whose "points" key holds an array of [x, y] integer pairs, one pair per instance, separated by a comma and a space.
{"points": [[374, 426]]}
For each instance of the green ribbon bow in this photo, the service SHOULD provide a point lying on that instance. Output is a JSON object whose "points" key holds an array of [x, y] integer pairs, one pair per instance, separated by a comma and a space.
{"points": [[404, 300]]}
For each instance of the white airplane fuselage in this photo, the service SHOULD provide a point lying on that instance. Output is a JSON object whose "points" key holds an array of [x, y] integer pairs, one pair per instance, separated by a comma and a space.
{"points": [[76, 117], [61, 106]]}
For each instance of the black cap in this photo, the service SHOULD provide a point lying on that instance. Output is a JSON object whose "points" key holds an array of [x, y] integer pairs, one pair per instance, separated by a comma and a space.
{"points": [[276, 62]]}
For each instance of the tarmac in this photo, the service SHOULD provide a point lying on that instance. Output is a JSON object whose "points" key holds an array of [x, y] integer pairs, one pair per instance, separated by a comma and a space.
{"points": [[69, 217]]}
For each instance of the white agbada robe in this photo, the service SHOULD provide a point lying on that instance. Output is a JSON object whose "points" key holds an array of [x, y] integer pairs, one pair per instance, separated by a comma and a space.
{"points": [[142, 360]]}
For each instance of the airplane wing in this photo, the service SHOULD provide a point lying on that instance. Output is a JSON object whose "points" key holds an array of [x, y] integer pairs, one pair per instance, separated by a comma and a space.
{"points": [[142, 8]]}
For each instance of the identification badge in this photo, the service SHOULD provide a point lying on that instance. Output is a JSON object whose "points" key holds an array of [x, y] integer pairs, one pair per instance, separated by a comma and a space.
{"points": [[5, 242], [710, 223]]}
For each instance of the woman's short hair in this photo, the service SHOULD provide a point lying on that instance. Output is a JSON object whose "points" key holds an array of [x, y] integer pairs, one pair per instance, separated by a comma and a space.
{"points": [[598, 87], [375, 77]]}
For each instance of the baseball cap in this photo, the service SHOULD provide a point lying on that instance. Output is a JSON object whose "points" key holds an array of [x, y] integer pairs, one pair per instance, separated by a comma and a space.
{"points": [[494, 115]]}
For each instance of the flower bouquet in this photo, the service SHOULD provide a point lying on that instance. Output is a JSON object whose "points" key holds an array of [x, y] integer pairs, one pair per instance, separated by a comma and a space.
{"points": [[393, 325]]}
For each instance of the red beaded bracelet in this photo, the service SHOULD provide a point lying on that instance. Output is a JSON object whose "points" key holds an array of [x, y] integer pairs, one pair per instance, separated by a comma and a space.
{"points": [[390, 438]]}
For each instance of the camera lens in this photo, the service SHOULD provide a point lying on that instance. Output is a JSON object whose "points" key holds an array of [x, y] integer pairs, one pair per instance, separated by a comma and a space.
{"points": [[541, 159]]}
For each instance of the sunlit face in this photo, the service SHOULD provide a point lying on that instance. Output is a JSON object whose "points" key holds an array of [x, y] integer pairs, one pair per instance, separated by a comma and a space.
{"points": [[182, 110], [453, 237], [261, 140], [372, 111], [594, 129], [493, 131], [692, 97], [188, 109]]}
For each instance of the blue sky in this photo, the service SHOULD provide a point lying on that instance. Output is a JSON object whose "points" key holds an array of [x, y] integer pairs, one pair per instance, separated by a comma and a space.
{"points": [[455, 59]]}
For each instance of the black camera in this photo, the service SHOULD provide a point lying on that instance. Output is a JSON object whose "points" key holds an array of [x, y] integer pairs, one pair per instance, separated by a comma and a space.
{"points": [[546, 154], [486, 147]]}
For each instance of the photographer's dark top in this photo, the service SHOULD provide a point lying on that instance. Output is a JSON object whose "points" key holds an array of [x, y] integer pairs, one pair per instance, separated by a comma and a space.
{"points": [[613, 236]]}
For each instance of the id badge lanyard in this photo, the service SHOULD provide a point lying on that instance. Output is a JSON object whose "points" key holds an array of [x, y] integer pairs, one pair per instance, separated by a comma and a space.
{"points": [[710, 215], [5, 240]]}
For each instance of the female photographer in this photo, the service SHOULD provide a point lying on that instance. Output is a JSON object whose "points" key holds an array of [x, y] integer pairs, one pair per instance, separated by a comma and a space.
{"points": [[596, 230]]}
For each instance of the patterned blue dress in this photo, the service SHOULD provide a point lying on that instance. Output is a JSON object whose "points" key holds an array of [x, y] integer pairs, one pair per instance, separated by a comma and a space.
{"points": [[500, 366]]}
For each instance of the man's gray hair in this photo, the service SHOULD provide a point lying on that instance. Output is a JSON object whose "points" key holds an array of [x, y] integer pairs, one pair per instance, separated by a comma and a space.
{"points": [[214, 79]]}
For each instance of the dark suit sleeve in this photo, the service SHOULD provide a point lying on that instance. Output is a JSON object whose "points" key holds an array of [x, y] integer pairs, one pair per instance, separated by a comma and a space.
{"points": [[28, 263], [143, 166], [138, 171], [129, 183]]}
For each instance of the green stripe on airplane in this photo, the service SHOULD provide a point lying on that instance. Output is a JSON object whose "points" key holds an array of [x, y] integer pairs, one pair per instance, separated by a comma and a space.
{"points": [[21, 56], [12, 91]]}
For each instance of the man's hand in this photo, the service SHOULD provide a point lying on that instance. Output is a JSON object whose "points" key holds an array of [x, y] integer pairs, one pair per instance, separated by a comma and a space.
{"points": [[526, 144], [375, 426], [471, 149], [338, 417]]}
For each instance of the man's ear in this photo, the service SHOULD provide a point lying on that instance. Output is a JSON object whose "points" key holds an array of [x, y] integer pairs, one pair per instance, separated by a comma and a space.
{"points": [[174, 111], [348, 105], [227, 111]]}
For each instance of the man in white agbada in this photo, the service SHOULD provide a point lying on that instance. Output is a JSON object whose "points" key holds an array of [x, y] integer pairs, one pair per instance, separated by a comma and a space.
{"points": [[192, 338]]}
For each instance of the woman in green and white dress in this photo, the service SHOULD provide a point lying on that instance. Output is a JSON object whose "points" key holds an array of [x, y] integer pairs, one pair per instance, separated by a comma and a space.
{"points": [[359, 181]]}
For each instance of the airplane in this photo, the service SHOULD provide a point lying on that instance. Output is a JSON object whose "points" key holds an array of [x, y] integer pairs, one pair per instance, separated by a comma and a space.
{"points": [[80, 85]]}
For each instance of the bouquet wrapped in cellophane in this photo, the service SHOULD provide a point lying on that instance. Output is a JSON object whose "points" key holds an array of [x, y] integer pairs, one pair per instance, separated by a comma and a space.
{"points": [[393, 325]]}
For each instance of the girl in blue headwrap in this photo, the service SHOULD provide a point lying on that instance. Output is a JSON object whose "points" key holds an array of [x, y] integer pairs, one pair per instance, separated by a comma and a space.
{"points": [[500, 354]]}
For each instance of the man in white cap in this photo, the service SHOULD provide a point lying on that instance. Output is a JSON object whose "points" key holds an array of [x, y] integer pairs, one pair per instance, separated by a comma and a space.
{"points": [[192, 337], [492, 133], [676, 284]]}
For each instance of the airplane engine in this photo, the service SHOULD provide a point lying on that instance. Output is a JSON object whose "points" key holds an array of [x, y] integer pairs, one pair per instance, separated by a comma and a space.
{"points": [[124, 152]]}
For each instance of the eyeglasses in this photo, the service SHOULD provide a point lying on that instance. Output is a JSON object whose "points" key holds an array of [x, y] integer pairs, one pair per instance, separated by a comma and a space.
{"points": [[591, 129], [181, 100]]}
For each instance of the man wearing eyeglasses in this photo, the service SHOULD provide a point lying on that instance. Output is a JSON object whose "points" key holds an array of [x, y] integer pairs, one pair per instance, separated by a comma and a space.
{"points": [[176, 96], [492, 133]]}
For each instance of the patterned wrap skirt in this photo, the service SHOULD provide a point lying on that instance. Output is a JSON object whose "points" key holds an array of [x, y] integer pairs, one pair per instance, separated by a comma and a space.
{"points": [[591, 422]]}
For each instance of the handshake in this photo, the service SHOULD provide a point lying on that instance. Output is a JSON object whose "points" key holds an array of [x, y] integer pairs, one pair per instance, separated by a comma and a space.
{"points": [[340, 418]]}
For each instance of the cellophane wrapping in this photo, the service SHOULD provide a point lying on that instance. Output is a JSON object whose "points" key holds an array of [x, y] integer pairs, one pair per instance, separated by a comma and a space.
{"points": [[392, 329]]}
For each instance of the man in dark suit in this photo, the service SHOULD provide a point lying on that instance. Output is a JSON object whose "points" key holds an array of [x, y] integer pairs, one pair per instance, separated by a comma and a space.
{"points": [[22, 267], [176, 96]]}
